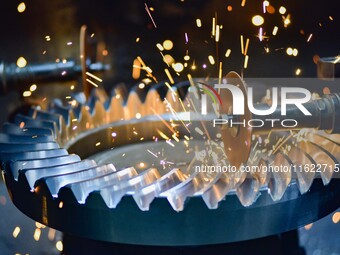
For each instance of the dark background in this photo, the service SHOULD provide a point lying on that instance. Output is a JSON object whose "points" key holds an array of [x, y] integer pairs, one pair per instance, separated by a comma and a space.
{"points": [[119, 23]]}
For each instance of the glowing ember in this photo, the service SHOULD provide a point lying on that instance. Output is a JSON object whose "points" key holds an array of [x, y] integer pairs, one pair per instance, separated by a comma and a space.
{"points": [[275, 29], [211, 60], [148, 12], [59, 246], [228, 52], [198, 23], [21, 62], [257, 20], [21, 7], [282, 10], [16, 232], [167, 44], [33, 87], [298, 71], [26, 93]]}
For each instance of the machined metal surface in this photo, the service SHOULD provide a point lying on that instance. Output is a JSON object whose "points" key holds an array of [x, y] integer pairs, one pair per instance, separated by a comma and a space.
{"points": [[328, 68], [142, 184]]}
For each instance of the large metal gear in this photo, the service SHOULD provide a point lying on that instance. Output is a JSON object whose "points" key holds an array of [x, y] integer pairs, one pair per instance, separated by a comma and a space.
{"points": [[162, 201]]}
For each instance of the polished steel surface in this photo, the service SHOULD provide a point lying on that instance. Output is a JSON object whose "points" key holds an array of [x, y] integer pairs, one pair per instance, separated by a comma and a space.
{"points": [[145, 155]]}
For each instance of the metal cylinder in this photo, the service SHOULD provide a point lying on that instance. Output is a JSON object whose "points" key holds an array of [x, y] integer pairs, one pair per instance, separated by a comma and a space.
{"points": [[11, 74], [325, 115]]}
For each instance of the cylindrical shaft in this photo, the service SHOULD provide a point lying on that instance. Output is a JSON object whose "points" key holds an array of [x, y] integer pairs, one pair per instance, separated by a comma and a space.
{"points": [[11, 75], [325, 115]]}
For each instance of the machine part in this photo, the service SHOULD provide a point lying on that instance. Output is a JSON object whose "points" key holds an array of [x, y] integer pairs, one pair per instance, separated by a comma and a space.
{"points": [[83, 59], [328, 68], [325, 115], [113, 198], [11, 74]]}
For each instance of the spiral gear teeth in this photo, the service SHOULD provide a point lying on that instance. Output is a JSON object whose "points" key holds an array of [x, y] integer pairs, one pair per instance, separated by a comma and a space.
{"points": [[27, 122], [263, 174], [279, 180], [218, 191], [239, 177], [24, 166], [303, 163], [6, 138], [35, 113], [321, 156], [329, 145], [39, 154], [332, 149], [42, 174], [71, 122], [61, 131], [12, 129], [195, 184], [333, 137], [144, 196], [31, 144], [248, 191], [94, 178], [113, 194], [19, 147], [78, 177]]}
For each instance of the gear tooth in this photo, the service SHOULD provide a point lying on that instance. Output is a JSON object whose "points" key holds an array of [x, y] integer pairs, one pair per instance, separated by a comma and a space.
{"points": [[13, 129], [133, 106], [173, 98], [194, 185], [88, 181], [38, 168], [326, 152], [303, 172], [84, 119], [99, 94], [322, 157], [217, 191], [143, 201], [238, 178], [263, 173], [115, 110], [279, 180], [333, 137], [63, 111], [26, 121], [62, 134], [153, 103], [144, 196], [121, 92], [98, 115], [176, 203], [113, 194], [248, 191], [73, 125]]}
